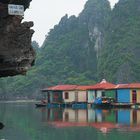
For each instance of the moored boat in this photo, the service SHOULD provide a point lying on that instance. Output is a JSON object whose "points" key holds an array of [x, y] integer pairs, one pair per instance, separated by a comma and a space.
{"points": [[43, 103], [103, 102], [40, 105]]}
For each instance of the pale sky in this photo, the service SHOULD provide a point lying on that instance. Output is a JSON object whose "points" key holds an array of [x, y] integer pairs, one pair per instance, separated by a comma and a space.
{"points": [[47, 13]]}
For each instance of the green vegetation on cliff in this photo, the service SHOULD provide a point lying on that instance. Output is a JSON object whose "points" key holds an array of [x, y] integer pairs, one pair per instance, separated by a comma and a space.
{"points": [[97, 44], [120, 59]]}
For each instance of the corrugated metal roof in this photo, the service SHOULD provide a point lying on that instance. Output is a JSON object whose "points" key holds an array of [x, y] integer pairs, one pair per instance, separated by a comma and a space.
{"points": [[102, 85]]}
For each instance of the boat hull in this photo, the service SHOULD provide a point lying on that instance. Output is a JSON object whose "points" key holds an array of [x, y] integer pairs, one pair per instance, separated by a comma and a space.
{"points": [[41, 105]]}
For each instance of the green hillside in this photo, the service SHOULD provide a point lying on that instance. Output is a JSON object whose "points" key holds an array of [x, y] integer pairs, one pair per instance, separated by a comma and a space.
{"points": [[120, 59], [99, 43]]}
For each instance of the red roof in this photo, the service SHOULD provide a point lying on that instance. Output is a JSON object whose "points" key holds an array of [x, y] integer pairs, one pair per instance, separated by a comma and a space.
{"points": [[103, 85], [60, 88], [132, 85], [66, 88], [82, 87]]}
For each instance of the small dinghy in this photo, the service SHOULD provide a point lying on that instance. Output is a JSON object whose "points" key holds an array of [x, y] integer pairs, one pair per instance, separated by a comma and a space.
{"points": [[41, 105]]}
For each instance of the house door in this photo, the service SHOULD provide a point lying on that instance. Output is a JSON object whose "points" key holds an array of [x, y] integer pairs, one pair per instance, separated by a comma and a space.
{"points": [[134, 96]]}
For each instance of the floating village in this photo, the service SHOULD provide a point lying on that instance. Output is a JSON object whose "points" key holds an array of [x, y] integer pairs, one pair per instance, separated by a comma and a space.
{"points": [[100, 95]]}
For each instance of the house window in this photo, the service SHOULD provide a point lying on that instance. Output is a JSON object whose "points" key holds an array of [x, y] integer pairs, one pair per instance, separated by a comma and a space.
{"points": [[103, 93], [66, 95]]}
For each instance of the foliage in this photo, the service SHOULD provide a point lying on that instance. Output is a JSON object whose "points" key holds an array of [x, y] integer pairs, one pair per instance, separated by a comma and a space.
{"points": [[120, 59], [68, 54]]}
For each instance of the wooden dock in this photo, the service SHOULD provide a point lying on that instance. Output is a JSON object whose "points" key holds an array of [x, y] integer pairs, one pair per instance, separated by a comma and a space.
{"points": [[83, 105], [122, 105]]}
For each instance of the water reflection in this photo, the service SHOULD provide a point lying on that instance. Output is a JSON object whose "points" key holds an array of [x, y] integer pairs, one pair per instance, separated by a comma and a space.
{"points": [[25, 122], [103, 120]]}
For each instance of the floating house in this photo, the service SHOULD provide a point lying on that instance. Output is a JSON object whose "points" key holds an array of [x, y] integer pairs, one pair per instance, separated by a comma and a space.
{"points": [[77, 94], [128, 93], [82, 94], [78, 97], [72, 95], [60, 93], [66, 94], [101, 89], [69, 96]]}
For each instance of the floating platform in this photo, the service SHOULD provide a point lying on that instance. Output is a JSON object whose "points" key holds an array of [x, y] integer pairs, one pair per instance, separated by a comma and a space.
{"points": [[106, 106], [66, 105], [83, 105], [122, 105], [79, 105], [136, 106], [53, 105]]}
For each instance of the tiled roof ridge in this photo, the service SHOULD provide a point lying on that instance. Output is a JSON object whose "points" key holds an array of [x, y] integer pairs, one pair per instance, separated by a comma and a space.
{"points": [[103, 85]]}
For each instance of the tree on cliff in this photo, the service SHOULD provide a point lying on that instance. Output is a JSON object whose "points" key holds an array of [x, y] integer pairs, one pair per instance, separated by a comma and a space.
{"points": [[97, 44]]}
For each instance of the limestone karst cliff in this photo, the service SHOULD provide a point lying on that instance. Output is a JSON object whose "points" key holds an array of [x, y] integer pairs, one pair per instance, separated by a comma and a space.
{"points": [[99, 43], [16, 52]]}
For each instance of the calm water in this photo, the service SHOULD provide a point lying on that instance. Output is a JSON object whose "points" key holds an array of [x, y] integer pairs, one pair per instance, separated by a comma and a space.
{"points": [[25, 122]]}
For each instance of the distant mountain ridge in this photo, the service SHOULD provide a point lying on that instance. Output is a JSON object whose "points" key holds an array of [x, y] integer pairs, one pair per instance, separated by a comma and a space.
{"points": [[99, 43]]}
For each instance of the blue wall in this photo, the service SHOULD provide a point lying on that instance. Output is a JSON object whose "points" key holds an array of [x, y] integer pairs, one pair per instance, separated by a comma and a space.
{"points": [[123, 95]]}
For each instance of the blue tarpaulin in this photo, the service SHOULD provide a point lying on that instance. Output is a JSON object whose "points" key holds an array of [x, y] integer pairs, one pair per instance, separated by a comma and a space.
{"points": [[98, 101]]}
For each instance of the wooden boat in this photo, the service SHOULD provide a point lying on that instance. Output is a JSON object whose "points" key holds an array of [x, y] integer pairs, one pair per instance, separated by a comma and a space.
{"points": [[40, 105], [43, 103], [103, 102]]}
